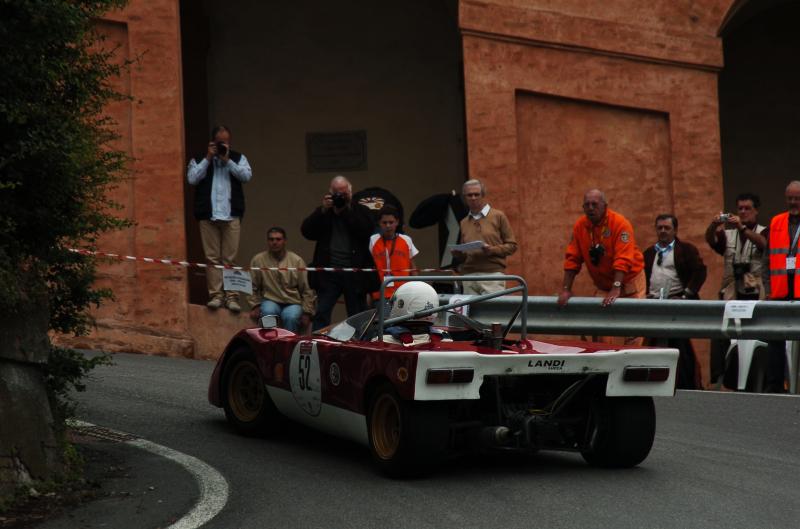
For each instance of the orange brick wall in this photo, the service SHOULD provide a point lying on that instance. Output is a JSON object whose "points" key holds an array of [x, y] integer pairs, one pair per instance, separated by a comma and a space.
{"points": [[561, 95]]}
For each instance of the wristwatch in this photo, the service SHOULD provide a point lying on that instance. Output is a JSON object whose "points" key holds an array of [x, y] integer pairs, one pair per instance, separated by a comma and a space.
{"points": [[617, 284]]}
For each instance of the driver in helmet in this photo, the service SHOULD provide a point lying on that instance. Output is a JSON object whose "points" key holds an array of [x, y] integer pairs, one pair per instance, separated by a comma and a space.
{"points": [[411, 297]]}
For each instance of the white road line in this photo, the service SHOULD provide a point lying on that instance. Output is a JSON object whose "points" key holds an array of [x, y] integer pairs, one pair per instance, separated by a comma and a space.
{"points": [[213, 486]]}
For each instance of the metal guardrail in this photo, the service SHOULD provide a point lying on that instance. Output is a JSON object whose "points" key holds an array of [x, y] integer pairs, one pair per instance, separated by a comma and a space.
{"points": [[772, 320]]}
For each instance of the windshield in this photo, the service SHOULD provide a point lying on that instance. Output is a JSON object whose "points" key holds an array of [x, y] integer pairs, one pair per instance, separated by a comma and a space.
{"points": [[352, 328]]}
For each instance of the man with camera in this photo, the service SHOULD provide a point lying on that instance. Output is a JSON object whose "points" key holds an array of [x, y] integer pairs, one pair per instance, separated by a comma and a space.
{"points": [[341, 230], [675, 270], [740, 240], [603, 240], [219, 207]]}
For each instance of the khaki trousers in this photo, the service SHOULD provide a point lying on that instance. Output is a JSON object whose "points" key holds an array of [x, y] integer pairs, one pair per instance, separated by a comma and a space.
{"points": [[220, 243], [477, 288], [637, 289]]}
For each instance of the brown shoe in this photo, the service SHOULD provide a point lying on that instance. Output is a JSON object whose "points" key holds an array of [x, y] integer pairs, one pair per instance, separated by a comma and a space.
{"points": [[214, 303], [233, 305]]}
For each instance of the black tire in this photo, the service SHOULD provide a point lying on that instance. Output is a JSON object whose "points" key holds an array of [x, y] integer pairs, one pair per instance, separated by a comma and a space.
{"points": [[247, 404], [406, 438], [620, 431]]}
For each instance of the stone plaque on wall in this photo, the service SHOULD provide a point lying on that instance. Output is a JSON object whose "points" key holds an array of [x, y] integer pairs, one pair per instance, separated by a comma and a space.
{"points": [[336, 151]]}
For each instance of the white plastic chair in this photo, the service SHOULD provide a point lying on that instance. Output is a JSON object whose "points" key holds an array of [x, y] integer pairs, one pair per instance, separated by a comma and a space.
{"points": [[747, 349]]}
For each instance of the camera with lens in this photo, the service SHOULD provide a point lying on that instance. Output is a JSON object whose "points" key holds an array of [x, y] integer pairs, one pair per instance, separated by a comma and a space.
{"points": [[724, 217], [740, 269], [222, 149], [595, 253], [339, 200]]}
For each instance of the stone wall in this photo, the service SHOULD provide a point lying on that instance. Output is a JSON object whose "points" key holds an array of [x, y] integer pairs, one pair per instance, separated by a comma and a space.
{"points": [[149, 313], [25, 413]]}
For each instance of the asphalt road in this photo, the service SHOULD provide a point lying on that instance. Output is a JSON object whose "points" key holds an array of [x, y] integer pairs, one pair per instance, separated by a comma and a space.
{"points": [[720, 460]]}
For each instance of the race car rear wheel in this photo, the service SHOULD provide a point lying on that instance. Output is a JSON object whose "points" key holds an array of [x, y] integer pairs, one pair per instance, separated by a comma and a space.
{"points": [[620, 431], [406, 438], [245, 399]]}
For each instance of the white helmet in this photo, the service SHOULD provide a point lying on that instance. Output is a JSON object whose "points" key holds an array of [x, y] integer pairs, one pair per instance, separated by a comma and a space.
{"points": [[413, 296]]}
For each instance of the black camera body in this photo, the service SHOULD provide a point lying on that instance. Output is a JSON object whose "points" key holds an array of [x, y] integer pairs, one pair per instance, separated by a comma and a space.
{"points": [[222, 149], [339, 200], [740, 269], [596, 252]]}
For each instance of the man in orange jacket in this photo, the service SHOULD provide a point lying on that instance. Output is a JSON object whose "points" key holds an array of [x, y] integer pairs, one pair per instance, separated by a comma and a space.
{"points": [[603, 240], [782, 282]]}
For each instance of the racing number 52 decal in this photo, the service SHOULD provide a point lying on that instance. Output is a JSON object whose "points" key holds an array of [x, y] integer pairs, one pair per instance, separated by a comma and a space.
{"points": [[305, 378]]}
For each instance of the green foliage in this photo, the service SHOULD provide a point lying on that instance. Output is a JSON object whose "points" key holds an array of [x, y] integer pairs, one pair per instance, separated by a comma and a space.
{"points": [[65, 372], [57, 162], [57, 166]]}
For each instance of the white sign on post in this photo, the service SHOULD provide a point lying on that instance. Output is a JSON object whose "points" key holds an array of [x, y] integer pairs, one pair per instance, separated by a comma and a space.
{"points": [[237, 280], [742, 310]]}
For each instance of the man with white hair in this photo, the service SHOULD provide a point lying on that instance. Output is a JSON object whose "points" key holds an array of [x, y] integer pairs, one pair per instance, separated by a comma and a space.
{"points": [[491, 228], [341, 230], [782, 282]]}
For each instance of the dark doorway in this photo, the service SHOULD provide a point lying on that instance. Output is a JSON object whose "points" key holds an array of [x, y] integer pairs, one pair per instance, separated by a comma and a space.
{"points": [[759, 99], [278, 72]]}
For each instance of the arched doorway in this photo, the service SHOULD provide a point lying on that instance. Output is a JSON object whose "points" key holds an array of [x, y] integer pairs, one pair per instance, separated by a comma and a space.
{"points": [[758, 101]]}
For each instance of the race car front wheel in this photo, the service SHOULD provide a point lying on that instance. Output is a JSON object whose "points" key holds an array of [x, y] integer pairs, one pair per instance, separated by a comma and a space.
{"points": [[245, 399], [620, 431], [406, 438]]}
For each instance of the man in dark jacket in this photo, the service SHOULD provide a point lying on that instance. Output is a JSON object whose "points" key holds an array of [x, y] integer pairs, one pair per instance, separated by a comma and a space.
{"points": [[675, 270], [342, 231], [219, 207]]}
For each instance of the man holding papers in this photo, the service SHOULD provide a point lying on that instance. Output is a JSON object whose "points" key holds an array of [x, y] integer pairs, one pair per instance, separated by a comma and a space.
{"points": [[486, 240]]}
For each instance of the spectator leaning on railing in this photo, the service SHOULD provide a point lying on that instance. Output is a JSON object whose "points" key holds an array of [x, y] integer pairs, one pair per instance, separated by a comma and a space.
{"points": [[603, 240]]}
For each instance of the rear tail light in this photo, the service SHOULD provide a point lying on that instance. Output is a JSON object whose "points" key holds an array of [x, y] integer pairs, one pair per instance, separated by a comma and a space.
{"points": [[450, 376], [645, 374]]}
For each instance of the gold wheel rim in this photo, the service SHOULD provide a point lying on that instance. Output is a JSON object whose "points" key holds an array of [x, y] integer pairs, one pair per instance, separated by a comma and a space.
{"points": [[386, 426], [246, 391]]}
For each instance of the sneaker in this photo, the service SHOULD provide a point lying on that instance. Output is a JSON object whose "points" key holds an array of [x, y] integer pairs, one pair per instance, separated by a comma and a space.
{"points": [[214, 304], [233, 306]]}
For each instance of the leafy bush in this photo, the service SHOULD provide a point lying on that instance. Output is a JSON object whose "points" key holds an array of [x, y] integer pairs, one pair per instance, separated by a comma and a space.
{"points": [[56, 160]]}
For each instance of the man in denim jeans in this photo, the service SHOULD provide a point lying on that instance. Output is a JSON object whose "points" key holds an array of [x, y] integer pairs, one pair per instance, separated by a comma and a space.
{"points": [[285, 292]]}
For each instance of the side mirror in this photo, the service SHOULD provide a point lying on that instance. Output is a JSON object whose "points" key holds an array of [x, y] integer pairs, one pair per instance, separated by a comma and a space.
{"points": [[270, 321]]}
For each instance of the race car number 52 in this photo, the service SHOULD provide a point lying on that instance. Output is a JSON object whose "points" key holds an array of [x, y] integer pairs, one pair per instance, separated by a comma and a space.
{"points": [[305, 379]]}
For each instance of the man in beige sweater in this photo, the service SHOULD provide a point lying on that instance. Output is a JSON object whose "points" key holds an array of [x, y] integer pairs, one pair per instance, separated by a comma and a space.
{"points": [[489, 226], [283, 293]]}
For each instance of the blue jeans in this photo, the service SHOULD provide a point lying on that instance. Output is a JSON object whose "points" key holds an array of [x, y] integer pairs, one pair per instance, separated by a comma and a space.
{"points": [[289, 314]]}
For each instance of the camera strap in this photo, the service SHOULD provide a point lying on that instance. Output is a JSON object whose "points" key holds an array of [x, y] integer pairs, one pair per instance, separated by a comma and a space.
{"points": [[738, 255]]}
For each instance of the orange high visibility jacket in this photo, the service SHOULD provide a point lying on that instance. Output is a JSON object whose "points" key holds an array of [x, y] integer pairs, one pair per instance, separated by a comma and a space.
{"points": [[394, 255], [620, 252], [779, 244]]}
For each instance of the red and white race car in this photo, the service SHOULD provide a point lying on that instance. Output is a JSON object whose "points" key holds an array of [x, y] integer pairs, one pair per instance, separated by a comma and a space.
{"points": [[414, 392]]}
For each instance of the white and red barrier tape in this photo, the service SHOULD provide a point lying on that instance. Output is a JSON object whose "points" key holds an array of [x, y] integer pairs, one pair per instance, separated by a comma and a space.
{"points": [[187, 264]]}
